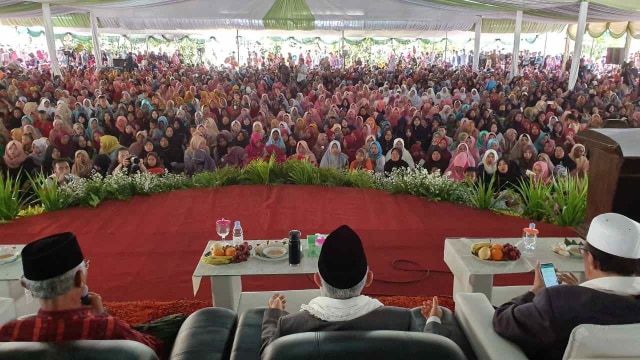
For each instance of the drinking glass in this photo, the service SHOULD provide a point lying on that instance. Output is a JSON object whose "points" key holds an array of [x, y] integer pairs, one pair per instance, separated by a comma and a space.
{"points": [[223, 227]]}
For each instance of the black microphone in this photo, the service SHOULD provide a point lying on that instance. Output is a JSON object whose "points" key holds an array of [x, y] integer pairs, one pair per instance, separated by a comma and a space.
{"points": [[84, 299]]}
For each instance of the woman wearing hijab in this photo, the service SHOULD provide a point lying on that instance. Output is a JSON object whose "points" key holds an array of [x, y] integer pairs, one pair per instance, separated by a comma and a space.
{"points": [[375, 154], [527, 159], [334, 158], [435, 162], [509, 144], [39, 151], [523, 142], [508, 175], [577, 154], [171, 155], [16, 162], [223, 143], [79, 142], [386, 141], [458, 166], [540, 173], [82, 165], [361, 161], [109, 145], [255, 148], [275, 138], [153, 163], [303, 153], [560, 159], [395, 161], [463, 148], [406, 155], [197, 158], [236, 156], [488, 166], [51, 154]]}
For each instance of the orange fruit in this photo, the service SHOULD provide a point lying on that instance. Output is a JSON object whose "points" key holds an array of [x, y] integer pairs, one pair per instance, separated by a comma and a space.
{"points": [[218, 252], [497, 254], [230, 251], [497, 246]]}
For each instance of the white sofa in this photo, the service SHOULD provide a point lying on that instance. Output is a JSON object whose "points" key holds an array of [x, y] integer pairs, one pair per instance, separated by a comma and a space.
{"points": [[474, 312]]}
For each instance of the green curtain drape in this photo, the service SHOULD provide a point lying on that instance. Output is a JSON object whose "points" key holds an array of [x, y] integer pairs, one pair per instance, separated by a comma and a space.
{"points": [[615, 29], [289, 15], [68, 20], [505, 26]]}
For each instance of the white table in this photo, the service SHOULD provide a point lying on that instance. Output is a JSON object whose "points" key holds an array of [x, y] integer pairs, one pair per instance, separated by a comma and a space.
{"points": [[472, 275], [226, 284], [11, 288]]}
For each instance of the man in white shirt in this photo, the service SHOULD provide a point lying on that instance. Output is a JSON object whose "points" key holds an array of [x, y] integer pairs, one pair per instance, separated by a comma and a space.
{"points": [[303, 71]]}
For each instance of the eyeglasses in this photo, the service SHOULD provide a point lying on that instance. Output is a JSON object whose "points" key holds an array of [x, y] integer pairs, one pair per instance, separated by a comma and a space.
{"points": [[87, 263]]}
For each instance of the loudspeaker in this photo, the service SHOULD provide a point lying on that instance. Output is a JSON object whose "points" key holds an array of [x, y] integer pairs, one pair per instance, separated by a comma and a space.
{"points": [[118, 63], [615, 56]]}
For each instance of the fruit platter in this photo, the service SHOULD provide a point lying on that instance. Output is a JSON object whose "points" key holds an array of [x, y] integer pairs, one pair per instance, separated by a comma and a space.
{"points": [[272, 250], [568, 248], [223, 254], [488, 251]]}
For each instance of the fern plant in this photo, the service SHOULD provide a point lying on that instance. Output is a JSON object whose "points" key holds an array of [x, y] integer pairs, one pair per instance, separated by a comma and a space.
{"points": [[302, 173], [47, 194], [360, 179], [257, 172], [569, 202], [481, 194], [12, 200], [536, 197]]}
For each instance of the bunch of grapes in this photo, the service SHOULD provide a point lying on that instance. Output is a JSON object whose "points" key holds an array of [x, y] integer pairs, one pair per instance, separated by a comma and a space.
{"points": [[243, 251], [510, 252]]}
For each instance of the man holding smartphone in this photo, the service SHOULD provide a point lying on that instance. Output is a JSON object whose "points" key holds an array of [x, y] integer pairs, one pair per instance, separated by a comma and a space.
{"points": [[541, 321]]}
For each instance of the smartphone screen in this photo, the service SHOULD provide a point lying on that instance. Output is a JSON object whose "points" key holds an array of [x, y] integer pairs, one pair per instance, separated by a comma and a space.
{"points": [[549, 275]]}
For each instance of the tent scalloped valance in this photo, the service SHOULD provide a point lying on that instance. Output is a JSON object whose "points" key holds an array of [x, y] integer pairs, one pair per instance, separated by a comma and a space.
{"points": [[615, 29]]}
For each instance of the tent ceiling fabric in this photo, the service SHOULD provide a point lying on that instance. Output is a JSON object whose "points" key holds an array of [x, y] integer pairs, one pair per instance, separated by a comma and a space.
{"points": [[390, 16]]}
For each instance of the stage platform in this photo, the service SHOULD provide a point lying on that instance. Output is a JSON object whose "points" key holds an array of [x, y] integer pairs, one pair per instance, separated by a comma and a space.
{"points": [[147, 248]]}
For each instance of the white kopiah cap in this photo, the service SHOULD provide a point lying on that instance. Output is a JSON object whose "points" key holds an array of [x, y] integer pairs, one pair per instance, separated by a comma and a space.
{"points": [[615, 234]]}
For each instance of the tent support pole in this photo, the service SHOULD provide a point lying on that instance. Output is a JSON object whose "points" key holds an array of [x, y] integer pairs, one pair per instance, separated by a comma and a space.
{"points": [[476, 43], [627, 45], [344, 60], [95, 38], [577, 50], [593, 42], [238, 46], [515, 56], [446, 43], [51, 42], [565, 58], [544, 52]]}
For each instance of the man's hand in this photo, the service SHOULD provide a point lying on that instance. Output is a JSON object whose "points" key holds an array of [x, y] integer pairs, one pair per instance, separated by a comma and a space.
{"points": [[568, 279], [126, 162], [538, 283], [277, 301], [430, 308], [96, 303]]}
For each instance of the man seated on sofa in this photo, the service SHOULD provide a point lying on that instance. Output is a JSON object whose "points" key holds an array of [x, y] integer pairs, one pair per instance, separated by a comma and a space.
{"points": [[541, 321], [55, 272], [343, 274]]}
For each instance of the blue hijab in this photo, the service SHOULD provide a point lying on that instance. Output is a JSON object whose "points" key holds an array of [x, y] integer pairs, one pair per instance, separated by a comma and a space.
{"points": [[375, 156], [279, 143]]}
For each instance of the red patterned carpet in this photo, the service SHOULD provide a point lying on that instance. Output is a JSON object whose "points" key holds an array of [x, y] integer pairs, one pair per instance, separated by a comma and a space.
{"points": [[147, 248], [137, 312]]}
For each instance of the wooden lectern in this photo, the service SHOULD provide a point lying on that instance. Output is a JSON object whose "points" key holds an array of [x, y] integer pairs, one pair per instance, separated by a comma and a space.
{"points": [[614, 172]]}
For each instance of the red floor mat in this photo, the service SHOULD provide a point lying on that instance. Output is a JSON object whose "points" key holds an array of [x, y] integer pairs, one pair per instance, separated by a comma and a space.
{"points": [[148, 247]]}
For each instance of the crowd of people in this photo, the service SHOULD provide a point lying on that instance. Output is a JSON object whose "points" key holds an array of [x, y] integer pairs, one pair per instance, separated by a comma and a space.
{"points": [[174, 118]]}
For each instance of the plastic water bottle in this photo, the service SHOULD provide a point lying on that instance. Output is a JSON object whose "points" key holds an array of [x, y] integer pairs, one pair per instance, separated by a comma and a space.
{"points": [[529, 238], [237, 234]]}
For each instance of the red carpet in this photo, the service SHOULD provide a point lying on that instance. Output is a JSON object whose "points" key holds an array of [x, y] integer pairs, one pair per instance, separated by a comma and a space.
{"points": [[137, 312], [147, 248]]}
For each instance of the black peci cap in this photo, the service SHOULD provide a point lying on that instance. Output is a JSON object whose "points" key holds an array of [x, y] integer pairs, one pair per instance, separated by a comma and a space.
{"points": [[51, 256]]}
